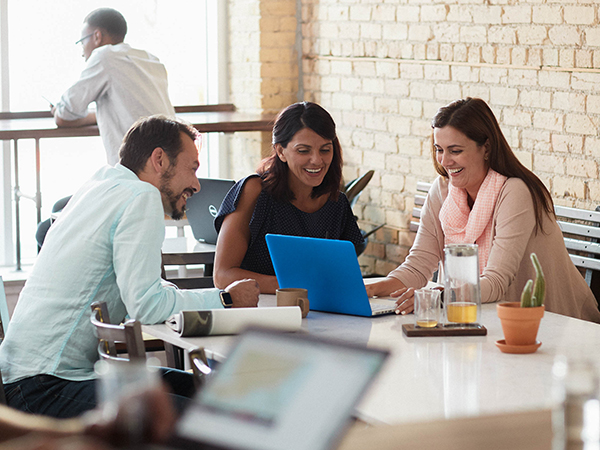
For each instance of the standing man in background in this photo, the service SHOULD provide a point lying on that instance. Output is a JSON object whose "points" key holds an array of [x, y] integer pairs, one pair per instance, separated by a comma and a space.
{"points": [[125, 83]]}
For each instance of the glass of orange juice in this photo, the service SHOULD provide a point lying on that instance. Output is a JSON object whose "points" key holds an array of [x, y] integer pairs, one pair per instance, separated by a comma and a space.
{"points": [[462, 296], [427, 308]]}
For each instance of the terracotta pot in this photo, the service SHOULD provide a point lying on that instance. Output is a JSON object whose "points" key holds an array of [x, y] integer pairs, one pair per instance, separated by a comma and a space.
{"points": [[520, 325]]}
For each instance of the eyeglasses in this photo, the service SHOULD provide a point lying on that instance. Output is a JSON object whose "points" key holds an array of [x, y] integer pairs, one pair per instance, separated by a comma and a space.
{"points": [[80, 41]]}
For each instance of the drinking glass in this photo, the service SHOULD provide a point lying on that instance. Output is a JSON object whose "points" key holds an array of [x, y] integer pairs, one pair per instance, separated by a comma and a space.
{"points": [[462, 297], [576, 402], [427, 308], [119, 390]]}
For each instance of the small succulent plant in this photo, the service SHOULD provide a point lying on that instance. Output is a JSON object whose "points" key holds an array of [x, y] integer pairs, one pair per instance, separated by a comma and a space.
{"points": [[534, 293]]}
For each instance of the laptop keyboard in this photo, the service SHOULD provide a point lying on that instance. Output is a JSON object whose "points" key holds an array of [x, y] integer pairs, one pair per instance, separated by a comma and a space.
{"points": [[379, 304]]}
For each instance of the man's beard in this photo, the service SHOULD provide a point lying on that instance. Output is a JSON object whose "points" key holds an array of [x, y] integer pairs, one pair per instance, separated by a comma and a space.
{"points": [[172, 198]]}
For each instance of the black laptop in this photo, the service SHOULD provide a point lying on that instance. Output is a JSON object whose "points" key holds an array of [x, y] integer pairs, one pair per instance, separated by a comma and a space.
{"points": [[203, 206]]}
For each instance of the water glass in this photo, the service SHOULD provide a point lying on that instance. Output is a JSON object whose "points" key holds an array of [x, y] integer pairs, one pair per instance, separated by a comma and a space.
{"points": [[119, 391], [576, 405], [427, 308], [462, 296]]}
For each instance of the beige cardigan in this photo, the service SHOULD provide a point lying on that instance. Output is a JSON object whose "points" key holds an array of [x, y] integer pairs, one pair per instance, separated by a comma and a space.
{"points": [[509, 266]]}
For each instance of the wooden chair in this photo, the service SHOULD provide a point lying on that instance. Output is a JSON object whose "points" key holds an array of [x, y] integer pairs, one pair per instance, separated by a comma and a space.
{"points": [[109, 335], [130, 333], [200, 367]]}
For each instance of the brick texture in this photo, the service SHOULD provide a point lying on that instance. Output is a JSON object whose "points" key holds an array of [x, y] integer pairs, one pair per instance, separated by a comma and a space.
{"points": [[382, 69], [263, 65]]}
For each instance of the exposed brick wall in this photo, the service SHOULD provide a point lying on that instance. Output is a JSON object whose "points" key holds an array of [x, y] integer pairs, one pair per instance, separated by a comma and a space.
{"points": [[384, 68], [263, 71]]}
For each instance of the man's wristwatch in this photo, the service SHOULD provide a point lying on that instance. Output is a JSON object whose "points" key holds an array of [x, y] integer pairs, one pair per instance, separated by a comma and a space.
{"points": [[226, 299]]}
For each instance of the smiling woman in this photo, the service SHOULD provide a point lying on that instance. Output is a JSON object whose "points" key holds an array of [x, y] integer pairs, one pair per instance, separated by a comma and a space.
{"points": [[484, 195], [463, 159], [295, 192]]}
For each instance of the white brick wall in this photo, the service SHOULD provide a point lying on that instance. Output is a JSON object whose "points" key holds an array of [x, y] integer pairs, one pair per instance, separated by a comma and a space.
{"points": [[384, 68]]}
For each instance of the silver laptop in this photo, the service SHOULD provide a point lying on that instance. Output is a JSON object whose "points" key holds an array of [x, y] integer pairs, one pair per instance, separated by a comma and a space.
{"points": [[203, 206], [279, 391], [329, 270]]}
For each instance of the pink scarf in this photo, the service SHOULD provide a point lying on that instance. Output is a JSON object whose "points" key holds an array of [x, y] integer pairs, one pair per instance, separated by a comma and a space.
{"points": [[462, 225]]}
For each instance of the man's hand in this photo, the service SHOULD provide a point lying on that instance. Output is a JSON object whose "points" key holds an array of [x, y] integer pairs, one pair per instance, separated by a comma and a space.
{"points": [[244, 293], [90, 119]]}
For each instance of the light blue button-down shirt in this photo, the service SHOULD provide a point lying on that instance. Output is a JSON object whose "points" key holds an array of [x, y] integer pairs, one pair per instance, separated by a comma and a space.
{"points": [[126, 84], [105, 246]]}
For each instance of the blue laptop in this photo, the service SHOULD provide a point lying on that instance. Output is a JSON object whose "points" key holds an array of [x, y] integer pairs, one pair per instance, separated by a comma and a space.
{"points": [[329, 270]]}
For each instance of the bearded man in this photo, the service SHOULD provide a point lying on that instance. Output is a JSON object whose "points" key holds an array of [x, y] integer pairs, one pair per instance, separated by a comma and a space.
{"points": [[106, 246]]}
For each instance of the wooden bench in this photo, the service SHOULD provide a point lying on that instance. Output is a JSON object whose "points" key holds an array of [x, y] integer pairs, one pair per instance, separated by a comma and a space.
{"points": [[581, 232]]}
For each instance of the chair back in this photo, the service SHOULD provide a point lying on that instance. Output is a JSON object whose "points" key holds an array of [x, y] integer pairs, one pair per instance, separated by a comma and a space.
{"points": [[200, 368], [581, 232], [420, 197], [44, 226], [355, 187], [108, 334]]}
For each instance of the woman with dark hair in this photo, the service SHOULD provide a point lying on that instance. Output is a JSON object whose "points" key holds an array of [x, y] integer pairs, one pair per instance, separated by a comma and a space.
{"points": [[294, 192], [484, 195]]}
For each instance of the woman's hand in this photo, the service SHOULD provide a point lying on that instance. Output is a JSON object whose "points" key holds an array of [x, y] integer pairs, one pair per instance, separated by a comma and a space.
{"points": [[406, 300], [233, 242], [384, 287]]}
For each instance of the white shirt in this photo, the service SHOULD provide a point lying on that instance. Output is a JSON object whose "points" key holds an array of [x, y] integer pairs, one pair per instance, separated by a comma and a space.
{"points": [[105, 246], [126, 84]]}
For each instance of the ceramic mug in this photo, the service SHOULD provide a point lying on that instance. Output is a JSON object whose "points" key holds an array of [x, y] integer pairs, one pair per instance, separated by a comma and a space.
{"points": [[293, 297]]}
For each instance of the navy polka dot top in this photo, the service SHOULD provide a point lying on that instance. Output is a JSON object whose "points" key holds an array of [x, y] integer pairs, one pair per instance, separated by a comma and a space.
{"points": [[334, 220]]}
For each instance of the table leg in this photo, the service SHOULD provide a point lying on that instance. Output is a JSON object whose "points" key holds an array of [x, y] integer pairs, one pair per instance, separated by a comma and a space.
{"points": [[174, 356]]}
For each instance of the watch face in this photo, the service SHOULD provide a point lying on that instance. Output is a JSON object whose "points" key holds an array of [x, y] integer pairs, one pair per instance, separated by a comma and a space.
{"points": [[226, 299]]}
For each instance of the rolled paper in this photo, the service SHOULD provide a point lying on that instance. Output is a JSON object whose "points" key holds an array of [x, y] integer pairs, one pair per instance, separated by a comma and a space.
{"points": [[212, 322]]}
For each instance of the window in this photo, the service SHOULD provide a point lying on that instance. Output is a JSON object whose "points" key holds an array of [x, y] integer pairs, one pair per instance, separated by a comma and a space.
{"points": [[44, 61]]}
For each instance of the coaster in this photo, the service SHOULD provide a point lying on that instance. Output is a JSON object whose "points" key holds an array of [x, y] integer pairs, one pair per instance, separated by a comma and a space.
{"points": [[517, 349], [410, 330]]}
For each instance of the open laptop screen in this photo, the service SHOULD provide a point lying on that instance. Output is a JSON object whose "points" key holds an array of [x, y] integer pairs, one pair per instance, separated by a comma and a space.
{"points": [[203, 206], [279, 390]]}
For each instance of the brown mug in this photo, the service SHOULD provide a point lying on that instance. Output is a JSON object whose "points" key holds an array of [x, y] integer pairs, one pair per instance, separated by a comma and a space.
{"points": [[293, 297]]}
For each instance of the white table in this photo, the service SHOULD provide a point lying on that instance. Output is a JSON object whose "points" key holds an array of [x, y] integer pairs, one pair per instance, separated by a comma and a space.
{"points": [[438, 378]]}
